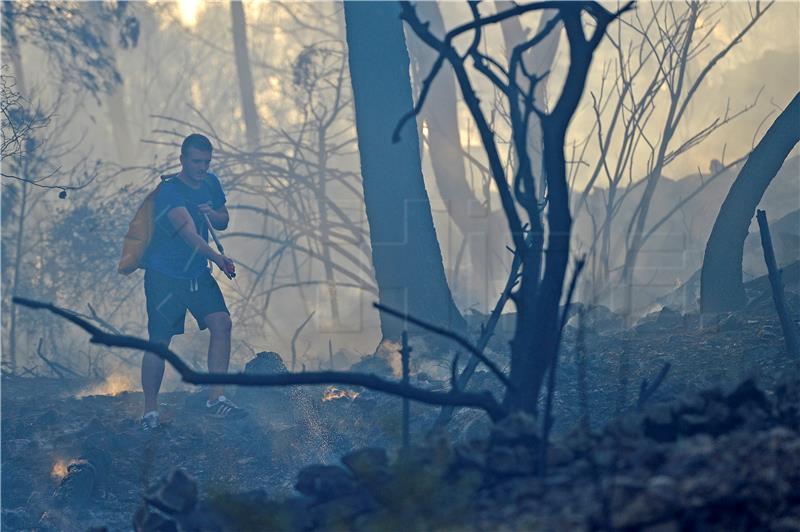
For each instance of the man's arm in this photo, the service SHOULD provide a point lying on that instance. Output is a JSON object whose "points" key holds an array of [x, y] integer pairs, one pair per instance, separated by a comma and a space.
{"points": [[219, 218], [184, 225]]}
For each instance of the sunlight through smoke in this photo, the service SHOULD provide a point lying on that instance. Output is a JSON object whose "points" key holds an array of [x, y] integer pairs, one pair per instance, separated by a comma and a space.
{"points": [[189, 11]]}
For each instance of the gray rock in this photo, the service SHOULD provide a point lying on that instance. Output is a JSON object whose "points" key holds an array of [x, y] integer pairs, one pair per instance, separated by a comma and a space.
{"points": [[76, 487], [332, 514], [325, 482], [368, 465], [518, 427], [265, 363], [176, 493], [272, 400]]}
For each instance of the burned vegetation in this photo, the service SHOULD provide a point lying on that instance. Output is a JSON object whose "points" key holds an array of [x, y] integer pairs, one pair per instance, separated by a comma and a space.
{"points": [[581, 391]]}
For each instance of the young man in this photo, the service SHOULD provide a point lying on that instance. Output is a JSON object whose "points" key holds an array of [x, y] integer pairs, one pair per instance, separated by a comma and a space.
{"points": [[177, 275]]}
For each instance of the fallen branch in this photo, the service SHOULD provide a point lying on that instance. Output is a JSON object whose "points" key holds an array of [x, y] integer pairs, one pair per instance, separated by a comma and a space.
{"points": [[789, 331], [483, 400]]}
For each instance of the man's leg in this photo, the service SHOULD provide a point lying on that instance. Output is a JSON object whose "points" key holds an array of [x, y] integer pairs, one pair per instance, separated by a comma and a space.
{"points": [[219, 348], [152, 374]]}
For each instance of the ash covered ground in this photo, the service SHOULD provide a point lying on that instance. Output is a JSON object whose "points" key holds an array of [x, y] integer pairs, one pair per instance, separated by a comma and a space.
{"points": [[717, 446]]}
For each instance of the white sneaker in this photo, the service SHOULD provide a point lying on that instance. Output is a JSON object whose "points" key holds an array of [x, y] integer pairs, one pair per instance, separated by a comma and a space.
{"points": [[224, 408], [150, 421]]}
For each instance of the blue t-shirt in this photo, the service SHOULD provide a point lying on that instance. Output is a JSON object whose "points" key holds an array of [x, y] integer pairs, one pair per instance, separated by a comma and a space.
{"points": [[168, 252]]}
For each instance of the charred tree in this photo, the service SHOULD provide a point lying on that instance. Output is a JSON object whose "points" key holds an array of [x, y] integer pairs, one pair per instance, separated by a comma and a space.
{"points": [[405, 251], [537, 297], [481, 228], [721, 287], [539, 64]]}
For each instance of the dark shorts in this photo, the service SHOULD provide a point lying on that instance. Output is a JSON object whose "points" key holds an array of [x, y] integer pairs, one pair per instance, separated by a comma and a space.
{"points": [[168, 298]]}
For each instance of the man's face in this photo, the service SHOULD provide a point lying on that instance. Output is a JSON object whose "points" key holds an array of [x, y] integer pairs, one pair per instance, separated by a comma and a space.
{"points": [[195, 163]]}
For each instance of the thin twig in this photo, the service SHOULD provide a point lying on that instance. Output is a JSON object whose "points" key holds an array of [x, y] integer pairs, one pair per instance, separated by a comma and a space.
{"points": [[296, 335], [449, 334]]}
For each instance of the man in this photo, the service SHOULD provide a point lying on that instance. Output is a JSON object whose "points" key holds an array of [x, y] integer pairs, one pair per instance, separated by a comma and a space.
{"points": [[177, 276]]}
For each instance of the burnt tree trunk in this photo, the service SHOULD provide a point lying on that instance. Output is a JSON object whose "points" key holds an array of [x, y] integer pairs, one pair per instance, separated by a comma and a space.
{"points": [[247, 94], [721, 287], [405, 250], [482, 229]]}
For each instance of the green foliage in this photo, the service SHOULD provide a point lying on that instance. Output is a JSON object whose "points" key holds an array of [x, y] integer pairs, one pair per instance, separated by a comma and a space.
{"points": [[424, 490]]}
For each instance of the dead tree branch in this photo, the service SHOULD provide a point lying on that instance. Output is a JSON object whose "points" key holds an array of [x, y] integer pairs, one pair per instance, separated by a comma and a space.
{"points": [[647, 389], [775, 281], [460, 340], [482, 400]]}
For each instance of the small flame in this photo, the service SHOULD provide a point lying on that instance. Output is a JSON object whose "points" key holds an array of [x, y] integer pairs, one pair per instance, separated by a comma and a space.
{"points": [[59, 470], [114, 384], [332, 392], [390, 351]]}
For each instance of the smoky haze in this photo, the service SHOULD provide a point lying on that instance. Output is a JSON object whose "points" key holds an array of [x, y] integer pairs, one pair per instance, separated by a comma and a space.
{"points": [[298, 226]]}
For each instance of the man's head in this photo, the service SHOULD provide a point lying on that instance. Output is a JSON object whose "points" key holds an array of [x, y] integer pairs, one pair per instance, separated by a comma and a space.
{"points": [[195, 157]]}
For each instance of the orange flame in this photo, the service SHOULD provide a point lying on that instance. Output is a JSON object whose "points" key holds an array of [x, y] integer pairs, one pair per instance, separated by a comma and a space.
{"points": [[59, 470], [332, 392], [114, 384]]}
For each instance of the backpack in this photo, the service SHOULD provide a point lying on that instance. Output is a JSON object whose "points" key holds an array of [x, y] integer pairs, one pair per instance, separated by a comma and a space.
{"points": [[140, 232]]}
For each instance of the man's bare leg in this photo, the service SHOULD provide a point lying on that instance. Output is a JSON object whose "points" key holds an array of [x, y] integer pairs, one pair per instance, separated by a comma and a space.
{"points": [[152, 375], [219, 348]]}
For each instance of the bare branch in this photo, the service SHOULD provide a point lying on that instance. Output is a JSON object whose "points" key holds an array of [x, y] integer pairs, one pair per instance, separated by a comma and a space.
{"points": [[483, 400], [463, 342]]}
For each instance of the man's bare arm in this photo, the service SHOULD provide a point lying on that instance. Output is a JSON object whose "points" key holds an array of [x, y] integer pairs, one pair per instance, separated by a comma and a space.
{"points": [[184, 225], [219, 218]]}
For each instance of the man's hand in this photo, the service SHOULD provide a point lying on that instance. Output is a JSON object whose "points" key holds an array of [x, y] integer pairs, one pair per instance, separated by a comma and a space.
{"points": [[218, 218], [226, 265]]}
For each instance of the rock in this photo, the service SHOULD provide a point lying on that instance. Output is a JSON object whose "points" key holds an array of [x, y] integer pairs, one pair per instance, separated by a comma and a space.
{"points": [[511, 460], [332, 514], [146, 520], [77, 485], [272, 400], [748, 392], [659, 424], [517, 427], [324, 482], [787, 524], [637, 511], [368, 465], [559, 455], [265, 363], [672, 525], [664, 488], [176, 493], [101, 461], [477, 428]]}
